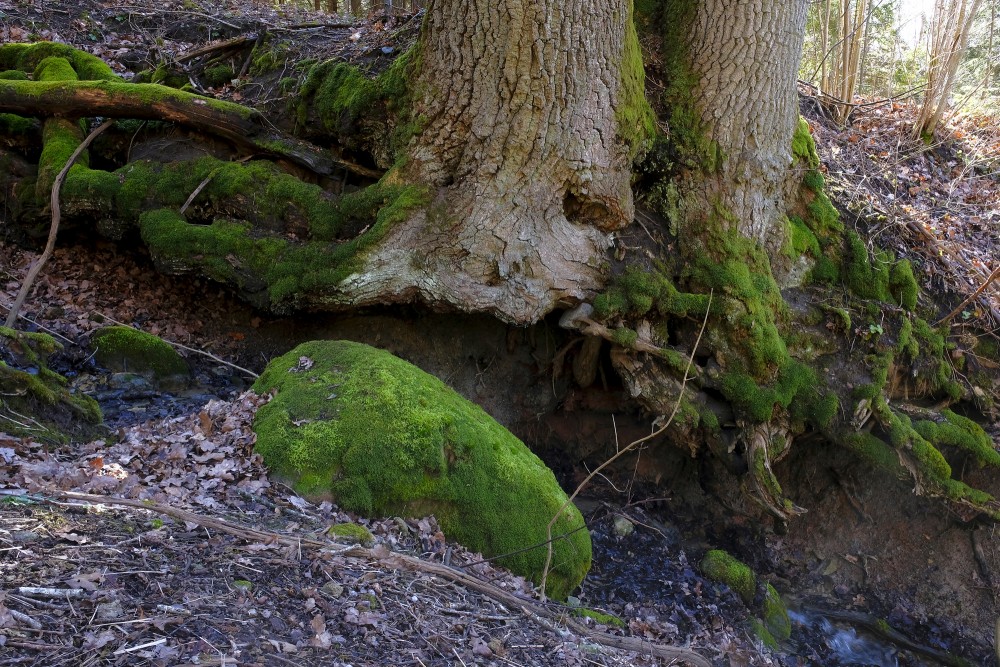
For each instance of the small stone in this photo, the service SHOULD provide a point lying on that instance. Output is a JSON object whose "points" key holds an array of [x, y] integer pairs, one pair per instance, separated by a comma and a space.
{"points": [[23, 536], [110, 611], [623, 527], [333, 589]]}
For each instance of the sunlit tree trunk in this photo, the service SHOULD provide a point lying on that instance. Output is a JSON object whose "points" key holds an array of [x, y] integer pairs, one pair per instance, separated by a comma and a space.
{"points": [[948, 36], [520, 145]]}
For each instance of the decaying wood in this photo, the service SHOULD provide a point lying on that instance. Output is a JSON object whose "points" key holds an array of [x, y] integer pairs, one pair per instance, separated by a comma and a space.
{"points": [[246, 128], [531, 608], [42, 592], [234, 43]]}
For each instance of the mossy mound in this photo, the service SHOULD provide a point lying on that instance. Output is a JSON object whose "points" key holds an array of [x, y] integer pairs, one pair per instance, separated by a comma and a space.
{"points": [[120, 348], [34, 400], [382, 437], [776, 625], [351, 533]]}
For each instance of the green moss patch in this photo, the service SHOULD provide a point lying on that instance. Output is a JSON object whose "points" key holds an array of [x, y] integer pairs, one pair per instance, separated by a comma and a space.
{"points": [[340, 94], [36, 401], [382, 437], [351, 533], [121, 348], [719, 566], [635, 118], [27, 57], [775, 625]]}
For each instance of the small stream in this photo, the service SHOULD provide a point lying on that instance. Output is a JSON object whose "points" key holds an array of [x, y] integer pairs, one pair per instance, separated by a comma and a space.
{"points": [[650, 573], [844, 645]]}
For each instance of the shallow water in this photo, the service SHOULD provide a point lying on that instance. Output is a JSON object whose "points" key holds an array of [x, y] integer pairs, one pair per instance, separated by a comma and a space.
{"points": [[846, 646]]}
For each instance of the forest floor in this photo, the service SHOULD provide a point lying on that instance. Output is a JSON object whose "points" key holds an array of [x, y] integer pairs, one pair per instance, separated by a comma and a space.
{"points": [[224, 566]]}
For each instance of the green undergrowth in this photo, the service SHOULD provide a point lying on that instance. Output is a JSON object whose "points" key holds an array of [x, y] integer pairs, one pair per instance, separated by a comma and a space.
{"points": [[273, 236], [877, 276], [381, 437]]}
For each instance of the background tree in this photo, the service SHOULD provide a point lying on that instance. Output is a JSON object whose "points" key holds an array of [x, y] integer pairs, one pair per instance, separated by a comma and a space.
{"points": [[948, 36]]}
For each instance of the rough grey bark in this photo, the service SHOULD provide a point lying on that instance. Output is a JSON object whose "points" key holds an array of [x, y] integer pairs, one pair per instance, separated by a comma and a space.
{"points": [[745, 67], [519, 143]]}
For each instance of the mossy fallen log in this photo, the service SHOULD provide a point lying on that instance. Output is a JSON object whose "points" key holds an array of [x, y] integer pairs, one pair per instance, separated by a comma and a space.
{"points": [[246, 128]]}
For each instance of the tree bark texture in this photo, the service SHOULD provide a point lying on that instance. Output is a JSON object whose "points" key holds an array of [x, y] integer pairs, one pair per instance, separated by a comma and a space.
{"points": [[744, 69], [517, 101]]}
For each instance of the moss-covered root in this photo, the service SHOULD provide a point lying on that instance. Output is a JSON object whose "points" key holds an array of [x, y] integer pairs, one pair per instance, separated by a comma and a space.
{"points": [[35, 401], [774, 625], [382, 437]]}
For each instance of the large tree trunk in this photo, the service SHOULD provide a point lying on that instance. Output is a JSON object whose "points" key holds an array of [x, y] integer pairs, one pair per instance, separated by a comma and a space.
{"points": [[744, 71], [520, 144]]}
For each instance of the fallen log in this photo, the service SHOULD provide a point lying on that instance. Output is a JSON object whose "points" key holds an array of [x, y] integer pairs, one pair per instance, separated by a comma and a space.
{"points": [[246, 128]]}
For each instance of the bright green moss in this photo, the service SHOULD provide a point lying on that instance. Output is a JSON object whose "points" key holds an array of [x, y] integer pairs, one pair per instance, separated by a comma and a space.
{"points": [[906, 342], [719, 566], [382, 437], [634, 117], [876, 452], [625, 337], [219, 75], [26, 58], [763, 634], [823, 217], [122, 348], [963, 433], [932, 463], [825, 270], [55, 69], [11, 124], [351, 533], [811, 407], [959, 491], [169, 77], [802, 241], [13, 75], [878, 366], [803, 146], [60, 137], [599, 617], [757, 402], [341, 93], [866, 277], [776, 614], [902, 284], [814, 181]]}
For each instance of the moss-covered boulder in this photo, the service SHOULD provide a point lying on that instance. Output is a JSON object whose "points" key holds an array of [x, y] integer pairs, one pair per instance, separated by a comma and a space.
{"points": [[775, 625], [120, 348], [36, 401], [382, 437]]}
